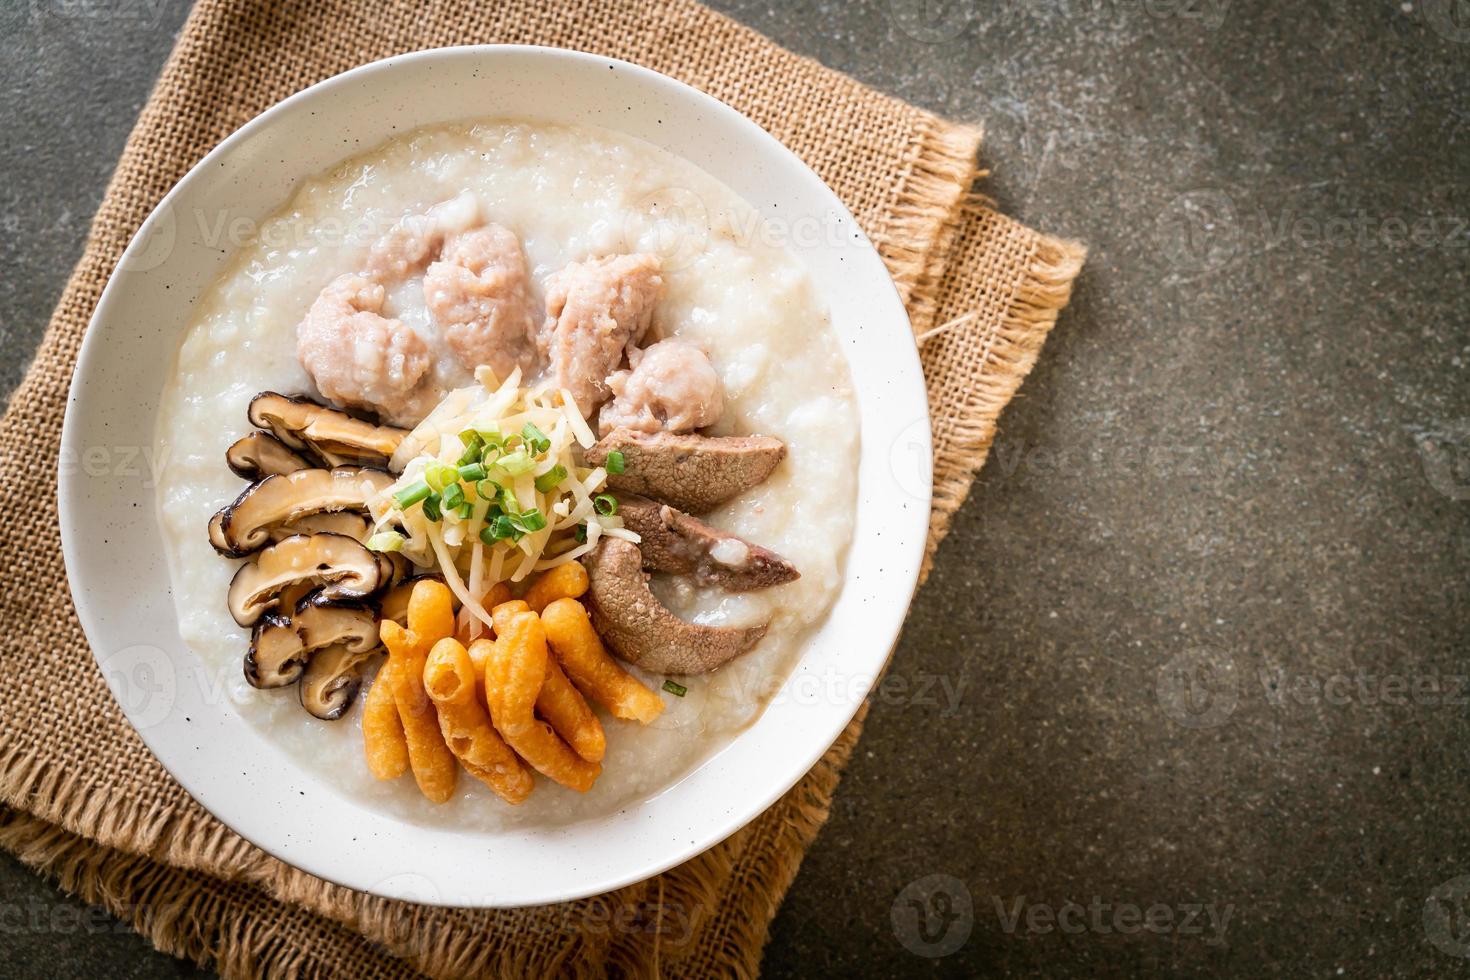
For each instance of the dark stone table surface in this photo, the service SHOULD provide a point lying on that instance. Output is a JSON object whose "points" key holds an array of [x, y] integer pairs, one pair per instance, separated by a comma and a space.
{"points": [[1187, 692]]}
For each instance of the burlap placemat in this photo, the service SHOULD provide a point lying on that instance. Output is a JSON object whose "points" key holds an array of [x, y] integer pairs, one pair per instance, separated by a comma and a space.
{"points": [[88, 805]]}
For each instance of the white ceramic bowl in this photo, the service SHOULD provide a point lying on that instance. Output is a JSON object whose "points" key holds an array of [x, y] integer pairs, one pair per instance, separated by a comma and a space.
{"points": [[115, 558]]}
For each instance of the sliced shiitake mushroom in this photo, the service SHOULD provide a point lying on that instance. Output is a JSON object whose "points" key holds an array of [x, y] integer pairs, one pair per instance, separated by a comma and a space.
{"points": [[692, 472], [261, 454], [344, 567], [285, 641], [321, 622], [331, 681], [641, 630], [244, 525], [348, 522], [335, 436], [275, 657], [395, 568], [292, 594]]}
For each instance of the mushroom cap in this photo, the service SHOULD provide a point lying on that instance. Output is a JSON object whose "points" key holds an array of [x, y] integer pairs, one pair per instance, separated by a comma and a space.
{"points": [[641, 630], [260, 454], [349, 522], [331, 681], [347, 569], [335, 436], [244, 525], [396, 569], [691, 472], [288, 640], [674, 542], [322, 622]]}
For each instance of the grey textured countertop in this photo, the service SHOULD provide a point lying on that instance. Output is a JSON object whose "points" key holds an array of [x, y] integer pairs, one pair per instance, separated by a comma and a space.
{"points": [[1187, 691]]}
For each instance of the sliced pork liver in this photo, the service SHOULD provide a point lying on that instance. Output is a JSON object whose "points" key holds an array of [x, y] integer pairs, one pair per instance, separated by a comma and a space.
{"points": [[679, 544], [641, 630], [691, 472]]}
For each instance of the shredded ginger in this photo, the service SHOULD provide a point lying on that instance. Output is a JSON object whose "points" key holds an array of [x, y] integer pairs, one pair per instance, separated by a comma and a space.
{"points": [[523, 434]]}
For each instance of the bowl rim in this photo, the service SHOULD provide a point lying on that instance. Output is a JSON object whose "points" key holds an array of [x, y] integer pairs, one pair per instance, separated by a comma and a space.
{"points": [[910, 529]]}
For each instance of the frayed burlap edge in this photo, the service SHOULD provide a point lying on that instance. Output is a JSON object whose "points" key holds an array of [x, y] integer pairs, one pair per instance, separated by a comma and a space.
{"points": [[166, 893], [183, 856], [195, 917], [1006, 353], [916, 238], [173, 859], [238, 930], [916, 241]]}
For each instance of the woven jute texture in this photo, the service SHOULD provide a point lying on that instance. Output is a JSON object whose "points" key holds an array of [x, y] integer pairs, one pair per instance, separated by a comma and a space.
{"points": [[84, 801]]}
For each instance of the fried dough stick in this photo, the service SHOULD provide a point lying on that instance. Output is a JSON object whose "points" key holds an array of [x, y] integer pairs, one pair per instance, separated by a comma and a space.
{"points": [[515, 673], [558, 701], [449, 678], [592, 668], [430, 619], [383, 741]]}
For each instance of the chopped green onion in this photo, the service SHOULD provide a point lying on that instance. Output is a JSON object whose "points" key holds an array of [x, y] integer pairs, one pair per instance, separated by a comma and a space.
{"points": [[516, 463], [615, 462], [581, 534], [605, 504], [411, 495], [465, 510], [440, 475], [471, 472], [386, 541], [500, 529], [535, 438], [432, 507], [492, 437], [531, 520], [453, 496], [474, 447], [677, 690], [488, 489], [508, 501], [551, 479]]}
